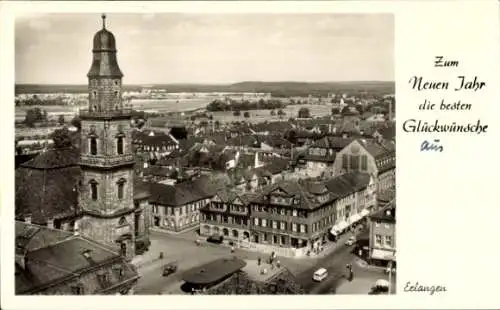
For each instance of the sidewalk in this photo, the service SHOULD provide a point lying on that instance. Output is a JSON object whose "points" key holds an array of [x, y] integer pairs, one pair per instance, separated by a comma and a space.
{"points": [[332, 246]]}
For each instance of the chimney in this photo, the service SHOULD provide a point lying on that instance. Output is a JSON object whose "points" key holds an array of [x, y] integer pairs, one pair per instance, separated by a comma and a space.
{"points": [[27, 219], [50, 223]]}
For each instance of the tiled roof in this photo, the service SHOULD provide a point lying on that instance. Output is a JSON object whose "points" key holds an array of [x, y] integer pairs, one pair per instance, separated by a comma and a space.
{"points": [[182, 193], [349, 183], [272, 127], [46, 194], [387, 213], [64, 261], [335, 143]]}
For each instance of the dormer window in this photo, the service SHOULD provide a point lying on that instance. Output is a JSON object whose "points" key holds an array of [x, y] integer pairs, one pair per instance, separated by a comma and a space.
{"points": [[93, 190]]}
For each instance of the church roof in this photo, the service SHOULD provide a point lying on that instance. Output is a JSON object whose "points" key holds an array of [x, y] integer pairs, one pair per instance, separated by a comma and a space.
{"points": [[104, 62]]}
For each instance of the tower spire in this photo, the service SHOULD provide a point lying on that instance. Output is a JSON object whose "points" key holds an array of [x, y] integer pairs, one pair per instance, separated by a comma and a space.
{"points": [[103, 16]]}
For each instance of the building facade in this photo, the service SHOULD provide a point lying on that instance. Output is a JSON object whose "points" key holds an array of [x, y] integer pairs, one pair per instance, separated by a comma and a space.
{"points": [[383, 235], [227, 214], [378, 158], [106, 186], [292, 218], [176, 207]]}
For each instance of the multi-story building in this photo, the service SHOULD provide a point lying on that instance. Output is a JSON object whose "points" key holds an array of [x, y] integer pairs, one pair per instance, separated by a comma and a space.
{"points": [[176, 207], [292, 218], [383, 235], [355, 198], [378, 158], [227, 214], [320, 156]]}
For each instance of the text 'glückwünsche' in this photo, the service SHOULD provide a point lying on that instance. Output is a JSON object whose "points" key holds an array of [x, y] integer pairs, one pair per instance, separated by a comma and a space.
{"points": [[456, 83]]}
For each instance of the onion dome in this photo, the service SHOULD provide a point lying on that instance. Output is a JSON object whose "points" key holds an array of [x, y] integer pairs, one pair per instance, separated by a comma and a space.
{"points": [[104, 63]]}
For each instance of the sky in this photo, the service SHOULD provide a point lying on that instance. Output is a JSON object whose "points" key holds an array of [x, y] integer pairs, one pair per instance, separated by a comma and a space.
{"points": [[209, 48]]}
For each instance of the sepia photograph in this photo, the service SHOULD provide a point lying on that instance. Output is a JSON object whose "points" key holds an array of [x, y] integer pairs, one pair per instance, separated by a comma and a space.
{"points": [[205, 154]]}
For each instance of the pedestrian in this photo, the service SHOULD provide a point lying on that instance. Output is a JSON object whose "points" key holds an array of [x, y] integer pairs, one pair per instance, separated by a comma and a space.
{"points": [[258, 261], [278, 264], [232, 249]]}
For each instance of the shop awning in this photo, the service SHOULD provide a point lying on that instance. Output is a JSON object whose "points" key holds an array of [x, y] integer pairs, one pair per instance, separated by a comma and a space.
{"points": [[355, 218], [364, 212], [383, 254]]}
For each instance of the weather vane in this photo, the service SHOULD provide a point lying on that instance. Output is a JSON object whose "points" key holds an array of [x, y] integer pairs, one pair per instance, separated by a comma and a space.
{"points": [[103, 20]]}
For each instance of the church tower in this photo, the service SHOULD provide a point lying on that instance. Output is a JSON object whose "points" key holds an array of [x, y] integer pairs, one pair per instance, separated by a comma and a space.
{"points": [[106, 158]]}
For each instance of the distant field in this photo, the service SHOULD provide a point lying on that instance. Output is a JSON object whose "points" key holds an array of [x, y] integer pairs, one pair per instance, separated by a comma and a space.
{"points": [[257, 116], [164, 105], [276, 88]]}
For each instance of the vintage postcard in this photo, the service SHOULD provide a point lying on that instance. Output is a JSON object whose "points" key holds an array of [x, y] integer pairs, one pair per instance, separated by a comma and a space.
{"points": [[249, 149]]}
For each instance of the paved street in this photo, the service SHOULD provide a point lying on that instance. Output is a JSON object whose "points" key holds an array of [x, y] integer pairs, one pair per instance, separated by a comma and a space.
{"points": [[183, 249]]}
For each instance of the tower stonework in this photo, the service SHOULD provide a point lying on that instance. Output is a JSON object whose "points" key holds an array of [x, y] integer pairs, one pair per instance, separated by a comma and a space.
{"points": [[106, 157]]}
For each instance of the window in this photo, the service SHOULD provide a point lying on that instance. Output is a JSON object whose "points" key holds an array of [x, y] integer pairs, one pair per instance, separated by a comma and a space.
{"points": [[354, 162], [388, 241], [345, 161], [93, 146], [275, 224], [294, 227], [121, 188], [378, 240], [264, 223], [256, 221], [93, 190], [294, 213], [377, 224], [116, 93], [364, 162], [119, 145], [282, 211], [302, 228], [283, 226]]}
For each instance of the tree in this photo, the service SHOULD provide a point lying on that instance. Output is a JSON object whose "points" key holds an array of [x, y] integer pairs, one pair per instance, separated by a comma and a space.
{"points": [[61, 120], [281, 113], [211, 117], [246, 114], [179, 133], [304, 113], [76, 122], [35, 115], [335, 111], [291, 136], [217, 124], [237, 113], [273, 113], [61, 138]]}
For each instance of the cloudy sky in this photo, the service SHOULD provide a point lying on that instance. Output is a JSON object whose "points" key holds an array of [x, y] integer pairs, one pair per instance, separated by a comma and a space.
{"points": [[203, 48]]}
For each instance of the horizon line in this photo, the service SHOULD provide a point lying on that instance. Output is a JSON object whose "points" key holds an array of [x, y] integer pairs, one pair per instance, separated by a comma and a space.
{"points": [[221, 83]]}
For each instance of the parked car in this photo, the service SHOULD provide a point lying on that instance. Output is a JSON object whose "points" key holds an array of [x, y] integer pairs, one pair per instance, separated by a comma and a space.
{"points": [[169, 268], [350, 241], [320, 274], [215, 239]]}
